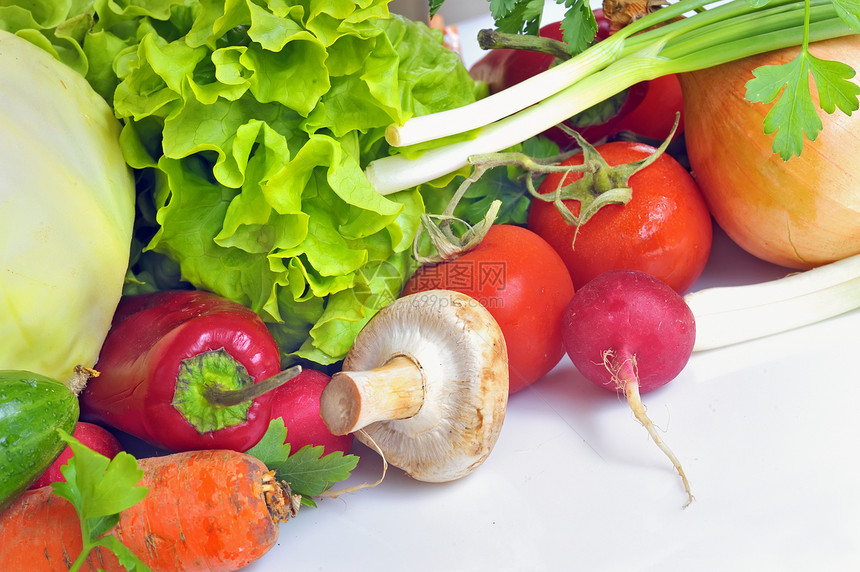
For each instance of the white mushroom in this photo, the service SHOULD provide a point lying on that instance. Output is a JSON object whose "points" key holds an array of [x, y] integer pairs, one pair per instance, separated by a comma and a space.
{"points": [[427, 380]]}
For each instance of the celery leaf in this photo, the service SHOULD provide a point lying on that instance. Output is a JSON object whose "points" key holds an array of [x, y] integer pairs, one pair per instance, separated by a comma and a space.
{"points": [[793, 115]]}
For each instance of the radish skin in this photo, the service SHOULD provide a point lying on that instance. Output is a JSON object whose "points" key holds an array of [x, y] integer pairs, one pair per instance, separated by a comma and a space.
{"points": [[628, 332]]}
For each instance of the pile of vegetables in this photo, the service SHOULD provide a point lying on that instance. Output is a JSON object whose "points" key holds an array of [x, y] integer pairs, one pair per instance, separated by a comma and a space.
{"points": [[325, 183]]}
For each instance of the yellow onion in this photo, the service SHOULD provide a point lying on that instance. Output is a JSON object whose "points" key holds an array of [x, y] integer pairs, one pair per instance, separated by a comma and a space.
{"points": [[799, 213]]}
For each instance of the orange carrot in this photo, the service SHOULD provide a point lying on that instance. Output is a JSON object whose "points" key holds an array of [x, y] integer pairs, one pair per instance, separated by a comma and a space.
{"points": [[206, 510]]}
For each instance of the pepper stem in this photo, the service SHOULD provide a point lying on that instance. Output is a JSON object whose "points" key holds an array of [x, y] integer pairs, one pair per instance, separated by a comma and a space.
{"points": [[228, 397]]}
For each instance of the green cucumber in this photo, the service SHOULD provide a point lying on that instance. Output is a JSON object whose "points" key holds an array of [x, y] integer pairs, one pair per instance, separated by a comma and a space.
{"points": [[32, 408]]}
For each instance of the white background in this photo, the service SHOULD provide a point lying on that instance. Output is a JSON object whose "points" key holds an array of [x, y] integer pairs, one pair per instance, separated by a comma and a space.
{"points": [[768, 433]]}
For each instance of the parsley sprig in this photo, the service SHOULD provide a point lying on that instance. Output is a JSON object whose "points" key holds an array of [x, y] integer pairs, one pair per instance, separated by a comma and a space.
{"points": [[100, 489], [524, 17], [308, 471], [793, 115]]}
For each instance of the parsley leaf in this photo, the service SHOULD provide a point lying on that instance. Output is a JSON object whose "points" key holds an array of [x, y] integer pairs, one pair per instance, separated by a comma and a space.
{"points": [[272, 446], [311, 473], [308, 471], [793, 115], [100, 488], [579, 27], [434, 6], [517, 16]]}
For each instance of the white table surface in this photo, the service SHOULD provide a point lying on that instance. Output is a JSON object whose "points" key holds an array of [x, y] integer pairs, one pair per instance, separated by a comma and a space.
{"points": [[767, 431]]}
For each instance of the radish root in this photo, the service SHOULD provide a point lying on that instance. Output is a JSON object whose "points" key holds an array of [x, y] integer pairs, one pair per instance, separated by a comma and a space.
{"points": [[626, 377]]}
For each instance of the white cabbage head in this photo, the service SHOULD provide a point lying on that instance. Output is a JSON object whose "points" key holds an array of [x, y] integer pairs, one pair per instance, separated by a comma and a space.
{"points": [[66, 214]]}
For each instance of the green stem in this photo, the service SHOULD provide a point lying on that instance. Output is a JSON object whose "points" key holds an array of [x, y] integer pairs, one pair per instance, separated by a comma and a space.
{"points": [[494, 40], [229, 397], [82, 557], [753, 32]]}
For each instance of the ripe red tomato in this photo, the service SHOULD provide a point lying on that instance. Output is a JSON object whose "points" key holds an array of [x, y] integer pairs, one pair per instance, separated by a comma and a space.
{"points": [[655, 114], [524, 284], [665, 229]]}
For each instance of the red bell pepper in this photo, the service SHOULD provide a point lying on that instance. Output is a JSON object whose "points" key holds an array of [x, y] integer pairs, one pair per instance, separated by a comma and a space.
{"points": [[504, 67], [186, 370]]}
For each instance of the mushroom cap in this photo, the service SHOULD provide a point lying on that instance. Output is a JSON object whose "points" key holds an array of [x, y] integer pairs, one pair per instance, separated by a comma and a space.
{"points": [[461, 351]]}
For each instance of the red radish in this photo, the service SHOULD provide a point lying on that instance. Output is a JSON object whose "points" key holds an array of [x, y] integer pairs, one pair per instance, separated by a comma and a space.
{"points": [[298, 403], [629, 332], [93, 436]]}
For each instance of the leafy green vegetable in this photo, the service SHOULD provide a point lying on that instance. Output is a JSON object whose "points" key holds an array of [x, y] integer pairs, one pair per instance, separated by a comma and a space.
{"points": [[249, 124], [308, 471], [100, 489], [793, 115], [578, 24]]}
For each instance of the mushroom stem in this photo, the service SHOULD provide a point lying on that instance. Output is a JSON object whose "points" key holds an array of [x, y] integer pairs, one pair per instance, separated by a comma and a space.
{"points": [[355, 399]]}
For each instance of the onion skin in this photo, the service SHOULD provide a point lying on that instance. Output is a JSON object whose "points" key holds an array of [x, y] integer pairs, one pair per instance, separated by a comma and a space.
{"points": [[800, 213]]}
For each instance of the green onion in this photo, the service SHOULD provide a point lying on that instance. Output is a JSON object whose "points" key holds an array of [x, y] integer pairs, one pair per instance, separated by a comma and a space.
{"points": [[734, 314]]}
